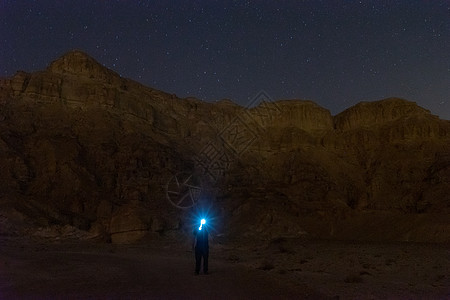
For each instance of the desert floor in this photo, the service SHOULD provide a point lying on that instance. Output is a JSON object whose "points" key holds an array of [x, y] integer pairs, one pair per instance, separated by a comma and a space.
{"points": [[282, 268]]}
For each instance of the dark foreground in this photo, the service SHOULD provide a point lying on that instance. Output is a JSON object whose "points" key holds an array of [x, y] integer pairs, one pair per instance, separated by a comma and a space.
{"points": [[281, 268]]}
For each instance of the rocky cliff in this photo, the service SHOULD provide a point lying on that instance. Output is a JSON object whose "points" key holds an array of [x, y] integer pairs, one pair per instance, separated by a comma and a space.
{"points": [[81, 146]]}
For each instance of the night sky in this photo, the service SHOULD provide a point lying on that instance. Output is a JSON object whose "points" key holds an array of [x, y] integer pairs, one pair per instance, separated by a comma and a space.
{"points": [[336, 53]]}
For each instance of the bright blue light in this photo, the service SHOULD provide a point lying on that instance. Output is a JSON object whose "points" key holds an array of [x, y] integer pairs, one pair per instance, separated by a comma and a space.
{"points": [[203, 221]]}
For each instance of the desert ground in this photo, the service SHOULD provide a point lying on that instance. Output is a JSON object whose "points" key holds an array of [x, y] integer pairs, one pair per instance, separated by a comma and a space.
{"points": [[43, 268]]}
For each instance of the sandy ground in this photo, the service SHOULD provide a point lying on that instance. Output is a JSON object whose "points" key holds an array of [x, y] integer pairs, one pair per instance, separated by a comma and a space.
{"points": [[283, 268]]}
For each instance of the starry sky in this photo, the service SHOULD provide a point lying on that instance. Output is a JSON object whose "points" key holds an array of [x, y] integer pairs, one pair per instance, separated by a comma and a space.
{"points": [[334, 52]]}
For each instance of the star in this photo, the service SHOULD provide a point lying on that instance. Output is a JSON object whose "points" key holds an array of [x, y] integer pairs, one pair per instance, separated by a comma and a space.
{"points": [[324, 51]]}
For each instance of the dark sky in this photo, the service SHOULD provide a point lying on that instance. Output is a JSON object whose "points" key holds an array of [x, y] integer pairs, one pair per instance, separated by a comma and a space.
{"points": [[336, 53]]}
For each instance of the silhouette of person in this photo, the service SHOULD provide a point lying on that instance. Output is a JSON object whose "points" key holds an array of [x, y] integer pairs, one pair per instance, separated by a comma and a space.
{"points": [[201, 246]]}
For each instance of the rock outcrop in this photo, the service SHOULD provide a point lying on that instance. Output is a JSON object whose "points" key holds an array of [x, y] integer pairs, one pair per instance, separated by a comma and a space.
{"points": [[81, 65], [367, 114], [82, 146]]}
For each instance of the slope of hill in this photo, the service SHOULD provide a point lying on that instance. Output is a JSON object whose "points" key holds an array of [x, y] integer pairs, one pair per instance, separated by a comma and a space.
{"points": [[81, 146]]}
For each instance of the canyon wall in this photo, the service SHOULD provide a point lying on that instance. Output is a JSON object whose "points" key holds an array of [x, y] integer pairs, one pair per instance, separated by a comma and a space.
{"points": [[82, 146]]}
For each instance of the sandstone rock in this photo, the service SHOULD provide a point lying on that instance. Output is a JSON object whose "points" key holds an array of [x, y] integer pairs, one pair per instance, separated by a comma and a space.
{"points": [[79, 64], [305, 115], [81, 146], [366, 114], [129, 223]]}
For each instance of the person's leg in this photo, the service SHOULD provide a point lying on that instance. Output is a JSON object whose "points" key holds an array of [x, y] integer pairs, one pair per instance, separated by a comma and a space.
{"points": [[205, 262], [198, 260]]}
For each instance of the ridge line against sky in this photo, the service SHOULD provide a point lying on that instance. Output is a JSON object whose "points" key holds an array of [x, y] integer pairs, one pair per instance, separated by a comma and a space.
{"points": [[335, 53]]}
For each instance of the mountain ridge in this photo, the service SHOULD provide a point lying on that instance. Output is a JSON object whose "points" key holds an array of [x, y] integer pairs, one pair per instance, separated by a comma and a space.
{"points": [[84, 147], [79, 63]]}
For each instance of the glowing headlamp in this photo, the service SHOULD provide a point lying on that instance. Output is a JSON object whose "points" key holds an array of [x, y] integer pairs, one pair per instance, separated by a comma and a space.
{"points": [[202, 222]]}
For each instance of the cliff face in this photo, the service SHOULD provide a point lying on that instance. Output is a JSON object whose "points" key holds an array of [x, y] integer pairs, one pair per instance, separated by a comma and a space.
{"points": [[80, 145], [366, 114], [81, 65]]}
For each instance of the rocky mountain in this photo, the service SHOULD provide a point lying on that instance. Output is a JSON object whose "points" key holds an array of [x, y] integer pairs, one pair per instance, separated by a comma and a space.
{"points": [[82, 146]]}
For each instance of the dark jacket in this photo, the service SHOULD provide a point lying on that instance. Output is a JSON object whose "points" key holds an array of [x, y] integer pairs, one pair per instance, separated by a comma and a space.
{"points": [[201, 239]]}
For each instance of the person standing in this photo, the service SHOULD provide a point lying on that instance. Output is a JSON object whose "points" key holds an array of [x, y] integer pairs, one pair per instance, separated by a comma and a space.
{"points": [[201, 248]]}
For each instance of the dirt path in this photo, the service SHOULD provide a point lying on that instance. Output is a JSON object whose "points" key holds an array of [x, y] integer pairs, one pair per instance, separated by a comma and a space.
{"points": [[76, 271]]}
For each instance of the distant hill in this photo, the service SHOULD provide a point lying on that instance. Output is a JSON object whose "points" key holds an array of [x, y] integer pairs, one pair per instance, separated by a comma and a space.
{"points": [[81, 146]]}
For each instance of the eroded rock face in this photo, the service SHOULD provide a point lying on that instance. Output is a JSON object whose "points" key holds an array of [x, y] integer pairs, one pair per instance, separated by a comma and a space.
{"points": [[129, 223], [81, 146], [366, 114], [81, 65]]}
